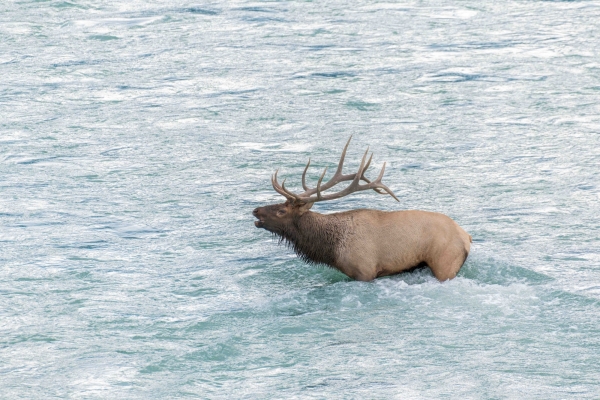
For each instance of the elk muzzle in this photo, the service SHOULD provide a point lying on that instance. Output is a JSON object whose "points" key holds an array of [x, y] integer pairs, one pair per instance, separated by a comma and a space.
{"points": [[257, 214]]}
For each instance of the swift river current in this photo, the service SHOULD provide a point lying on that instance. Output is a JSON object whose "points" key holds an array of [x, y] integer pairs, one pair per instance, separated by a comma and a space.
{"points": [[137, 137]]}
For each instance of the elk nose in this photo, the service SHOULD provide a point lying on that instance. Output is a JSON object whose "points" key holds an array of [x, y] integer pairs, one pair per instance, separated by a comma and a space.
{"points": [[255, 212]]}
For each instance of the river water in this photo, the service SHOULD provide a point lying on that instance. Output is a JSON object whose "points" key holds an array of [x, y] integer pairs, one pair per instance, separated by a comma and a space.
{"points": [[137, 137]]}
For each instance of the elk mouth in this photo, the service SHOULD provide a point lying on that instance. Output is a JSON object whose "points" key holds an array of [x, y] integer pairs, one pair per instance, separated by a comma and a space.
{"points": [[260, 222]]}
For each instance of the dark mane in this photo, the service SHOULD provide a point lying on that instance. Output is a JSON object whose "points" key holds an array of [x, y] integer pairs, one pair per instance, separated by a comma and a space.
{"points": [[314, 238]]}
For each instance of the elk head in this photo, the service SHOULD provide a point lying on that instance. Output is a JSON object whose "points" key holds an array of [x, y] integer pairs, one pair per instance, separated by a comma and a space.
{"points": [[278, 218], [281, 218]]}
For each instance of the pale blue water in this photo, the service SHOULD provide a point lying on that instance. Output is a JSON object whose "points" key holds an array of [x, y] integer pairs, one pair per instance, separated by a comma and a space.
{"points": [[136, 138]]}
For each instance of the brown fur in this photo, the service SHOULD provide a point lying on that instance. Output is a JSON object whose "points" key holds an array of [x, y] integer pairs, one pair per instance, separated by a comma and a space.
{"points": [[366, 244]]}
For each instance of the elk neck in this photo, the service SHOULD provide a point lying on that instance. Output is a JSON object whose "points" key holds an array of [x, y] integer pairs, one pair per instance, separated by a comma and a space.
{"points": [[315, 237]]}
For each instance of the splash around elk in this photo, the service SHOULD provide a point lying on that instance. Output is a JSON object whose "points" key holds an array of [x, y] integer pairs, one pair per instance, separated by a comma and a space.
{"points": [[364, 244]]}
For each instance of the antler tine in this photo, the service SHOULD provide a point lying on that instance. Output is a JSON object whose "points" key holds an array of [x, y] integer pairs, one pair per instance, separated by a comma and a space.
{"points": [[364, 178], [295, 196], [381, 185], [363, 167], [281, 188], [276, 185], [361, 170], [378, 180], [342, 157], [319, 184], [367, 166], [388, 190], [304, 176]]}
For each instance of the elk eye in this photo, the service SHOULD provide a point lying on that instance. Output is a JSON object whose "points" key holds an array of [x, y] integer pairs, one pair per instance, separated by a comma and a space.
{"points": [[281, 212]]}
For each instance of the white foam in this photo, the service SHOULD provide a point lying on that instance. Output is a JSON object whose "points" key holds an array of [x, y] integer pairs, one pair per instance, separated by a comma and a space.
{"points": [[275, 147], [454, 14]]}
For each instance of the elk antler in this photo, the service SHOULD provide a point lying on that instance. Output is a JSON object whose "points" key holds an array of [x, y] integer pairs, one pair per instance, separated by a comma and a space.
{"points": [[355, 186]]}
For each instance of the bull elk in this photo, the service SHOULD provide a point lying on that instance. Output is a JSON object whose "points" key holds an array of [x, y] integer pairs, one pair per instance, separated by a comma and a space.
{"points": [[364, 244]]}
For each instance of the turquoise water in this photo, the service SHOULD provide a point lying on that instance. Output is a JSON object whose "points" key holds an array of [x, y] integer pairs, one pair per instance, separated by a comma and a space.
{"points": [[136, 139]]}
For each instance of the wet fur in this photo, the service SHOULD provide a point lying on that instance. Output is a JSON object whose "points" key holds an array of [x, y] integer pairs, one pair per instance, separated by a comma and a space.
{"points": [[312, 240]]}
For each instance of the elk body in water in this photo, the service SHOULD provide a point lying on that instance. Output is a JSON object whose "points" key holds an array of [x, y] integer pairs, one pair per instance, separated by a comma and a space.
{"points": [[364, 244]]}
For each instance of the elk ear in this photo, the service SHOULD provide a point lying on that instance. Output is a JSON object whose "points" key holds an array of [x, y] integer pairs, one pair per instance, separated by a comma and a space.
{"points": [[304, 207]]}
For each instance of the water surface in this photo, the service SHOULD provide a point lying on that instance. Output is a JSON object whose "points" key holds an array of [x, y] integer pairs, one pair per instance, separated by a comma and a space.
{"points": [[136, 138]]}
